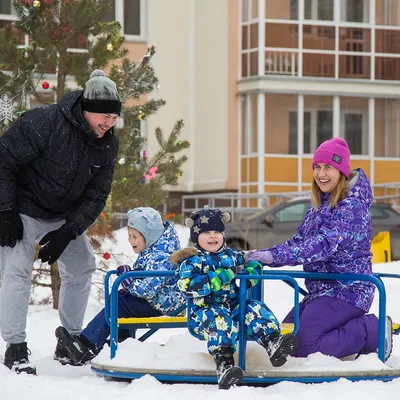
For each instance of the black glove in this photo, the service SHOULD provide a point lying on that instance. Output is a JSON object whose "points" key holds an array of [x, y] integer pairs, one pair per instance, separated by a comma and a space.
{"points": [[54, 243], [11, 228]]}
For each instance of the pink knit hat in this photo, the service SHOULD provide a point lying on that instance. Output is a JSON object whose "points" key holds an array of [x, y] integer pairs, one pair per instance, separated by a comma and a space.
{"points": [[334, 152]]}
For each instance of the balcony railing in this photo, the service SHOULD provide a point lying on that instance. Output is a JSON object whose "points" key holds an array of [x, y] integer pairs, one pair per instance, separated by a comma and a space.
{"points": [[281, 63]]}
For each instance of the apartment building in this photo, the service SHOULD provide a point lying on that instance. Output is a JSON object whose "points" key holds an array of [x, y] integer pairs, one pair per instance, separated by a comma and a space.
{"points": [[261, 83]]}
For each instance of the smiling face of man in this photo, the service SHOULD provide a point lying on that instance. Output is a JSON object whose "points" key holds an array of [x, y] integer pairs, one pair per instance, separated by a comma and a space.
{"points": [[100, 123]]}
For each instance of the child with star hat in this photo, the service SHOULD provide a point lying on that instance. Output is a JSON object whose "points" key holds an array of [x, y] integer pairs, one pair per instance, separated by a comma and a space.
{"points": [[207, 275]]}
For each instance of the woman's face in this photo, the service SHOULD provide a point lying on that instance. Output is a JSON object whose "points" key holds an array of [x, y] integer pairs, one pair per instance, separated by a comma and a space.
{"points": [[326, 177]]}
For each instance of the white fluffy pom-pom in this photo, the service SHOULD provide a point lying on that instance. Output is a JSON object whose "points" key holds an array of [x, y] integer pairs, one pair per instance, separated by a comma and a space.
{"points": [[226, 217], [97, 72], [189, 222]]}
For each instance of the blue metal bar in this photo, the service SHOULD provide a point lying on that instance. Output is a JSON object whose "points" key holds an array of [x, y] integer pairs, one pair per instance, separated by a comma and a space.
{"points": [[259, 380], [351, 277], [242, 308], [107, 294], [286, 275], [114, 302]]}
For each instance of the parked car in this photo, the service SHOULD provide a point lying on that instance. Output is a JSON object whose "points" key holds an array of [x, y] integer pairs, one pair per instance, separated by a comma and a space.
{"points": [[279, 223]]}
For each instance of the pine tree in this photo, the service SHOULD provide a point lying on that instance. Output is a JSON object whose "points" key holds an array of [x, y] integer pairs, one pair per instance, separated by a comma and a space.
{"points": [[68, 38]]}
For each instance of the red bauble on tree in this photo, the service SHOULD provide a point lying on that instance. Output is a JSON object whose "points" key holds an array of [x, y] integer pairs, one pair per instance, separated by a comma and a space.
{"points": [[45, 85], [107, 256]]}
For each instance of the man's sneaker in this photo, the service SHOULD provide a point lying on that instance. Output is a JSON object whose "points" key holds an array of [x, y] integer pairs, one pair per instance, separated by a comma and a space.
{"points": [[79, 352], [279, 347], [388, 338], [16, 358]]}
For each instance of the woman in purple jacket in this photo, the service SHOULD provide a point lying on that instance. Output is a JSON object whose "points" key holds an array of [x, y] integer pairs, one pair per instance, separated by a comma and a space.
{"points": [[335, 236]]}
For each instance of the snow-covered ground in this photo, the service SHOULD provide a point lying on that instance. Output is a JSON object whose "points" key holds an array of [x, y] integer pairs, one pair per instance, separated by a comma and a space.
{"points": [[181, 351]]}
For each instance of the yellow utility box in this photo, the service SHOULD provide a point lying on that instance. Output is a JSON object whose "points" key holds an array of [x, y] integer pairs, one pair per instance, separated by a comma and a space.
{"points": [[380, 248]]}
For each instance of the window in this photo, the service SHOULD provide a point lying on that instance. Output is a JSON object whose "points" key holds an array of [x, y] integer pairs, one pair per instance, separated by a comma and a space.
{"points": [[131, 14], [6, 7], [318, 127], [321, 10], [355, 10], [291, 213], [353, 127]]}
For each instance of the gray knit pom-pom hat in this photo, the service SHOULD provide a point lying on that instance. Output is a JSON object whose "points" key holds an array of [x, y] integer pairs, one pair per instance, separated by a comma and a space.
{"points": [[101, 95]]}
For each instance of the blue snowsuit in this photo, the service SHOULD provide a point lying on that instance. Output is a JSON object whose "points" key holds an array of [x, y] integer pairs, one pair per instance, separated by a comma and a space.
{"points": [[209, 280]]}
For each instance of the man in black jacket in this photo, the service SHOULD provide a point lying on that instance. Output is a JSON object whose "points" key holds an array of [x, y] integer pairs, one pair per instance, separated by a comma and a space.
{"points": [[56, 169]]}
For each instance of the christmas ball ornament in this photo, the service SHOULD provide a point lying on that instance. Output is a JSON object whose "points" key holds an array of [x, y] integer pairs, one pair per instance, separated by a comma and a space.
{"points": [[36, 3], [45, 85], [143, 181], [139, 117], [106, 256], [110, 47]]}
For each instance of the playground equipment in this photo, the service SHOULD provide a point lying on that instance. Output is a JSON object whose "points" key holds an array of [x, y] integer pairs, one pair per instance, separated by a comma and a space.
{"points": [[380, 248], [260, 377]]}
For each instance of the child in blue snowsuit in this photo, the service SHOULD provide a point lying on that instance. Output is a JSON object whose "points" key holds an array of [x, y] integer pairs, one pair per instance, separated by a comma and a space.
{"points": [[335, 237], [154, 242], [207, 276]]}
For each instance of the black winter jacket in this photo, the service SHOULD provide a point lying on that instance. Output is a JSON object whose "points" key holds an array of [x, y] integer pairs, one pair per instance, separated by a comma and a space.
{"points": [[52, 166]]}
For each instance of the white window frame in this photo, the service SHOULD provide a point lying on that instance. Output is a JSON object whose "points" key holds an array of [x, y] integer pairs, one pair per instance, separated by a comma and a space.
{"points": [[364, 128], [9, 17], [119, 16], [343, 11], [313, 125]]}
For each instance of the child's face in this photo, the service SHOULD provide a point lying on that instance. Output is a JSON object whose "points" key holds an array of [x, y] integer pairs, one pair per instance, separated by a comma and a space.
{"points": [[137, 240], [211, 241]]}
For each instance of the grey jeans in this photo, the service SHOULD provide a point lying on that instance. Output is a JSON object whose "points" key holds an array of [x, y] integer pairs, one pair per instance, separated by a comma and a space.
{"points": [[76, 266]]}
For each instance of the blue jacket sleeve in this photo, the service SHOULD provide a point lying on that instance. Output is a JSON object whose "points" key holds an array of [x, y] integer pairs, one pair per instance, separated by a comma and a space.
{"points": [[147, 288], [193, 281], [335, 233]]}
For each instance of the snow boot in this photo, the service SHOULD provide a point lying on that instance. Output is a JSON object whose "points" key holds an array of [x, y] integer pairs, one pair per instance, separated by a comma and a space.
{"points": [[227, 374], [79, 349], [16, 358], [388, 338], [62, 356], [279, 347]]}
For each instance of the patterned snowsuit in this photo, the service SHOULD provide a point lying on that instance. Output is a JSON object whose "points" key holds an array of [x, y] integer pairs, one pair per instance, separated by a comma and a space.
{"points": [[147, 297], [209, 280]]}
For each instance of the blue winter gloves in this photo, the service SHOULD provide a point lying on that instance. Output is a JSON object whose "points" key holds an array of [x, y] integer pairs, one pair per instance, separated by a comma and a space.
{"points": [[54, 243], [128, 281], [11, 228], [262, 256]]}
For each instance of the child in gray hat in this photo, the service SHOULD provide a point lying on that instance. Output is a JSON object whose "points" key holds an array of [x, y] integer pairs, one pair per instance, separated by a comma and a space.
{"points": [[154, 242]]}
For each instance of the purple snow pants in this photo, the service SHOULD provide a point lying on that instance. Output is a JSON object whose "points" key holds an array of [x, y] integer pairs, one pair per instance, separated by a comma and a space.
{"points": [[335, 328]]}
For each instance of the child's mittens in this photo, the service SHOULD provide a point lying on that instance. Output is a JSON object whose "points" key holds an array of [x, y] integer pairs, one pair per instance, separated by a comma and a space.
{"points": [[128, 281], [221, 276]]}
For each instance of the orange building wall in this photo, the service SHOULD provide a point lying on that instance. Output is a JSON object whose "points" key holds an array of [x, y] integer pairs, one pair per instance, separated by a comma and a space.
{"points": [[280, 169]]}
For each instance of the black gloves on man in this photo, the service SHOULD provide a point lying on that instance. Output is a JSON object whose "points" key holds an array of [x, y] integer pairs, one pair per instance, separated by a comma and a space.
{"points": [[11, 228], [54, 243]]}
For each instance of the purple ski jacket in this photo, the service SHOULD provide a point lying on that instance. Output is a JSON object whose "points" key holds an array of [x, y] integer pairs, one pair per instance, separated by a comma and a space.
{"points": [[336, 240]]}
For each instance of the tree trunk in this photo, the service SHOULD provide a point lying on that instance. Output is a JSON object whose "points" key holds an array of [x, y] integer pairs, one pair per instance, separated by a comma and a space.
{"points": [[55, 284], [55, 280]]}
